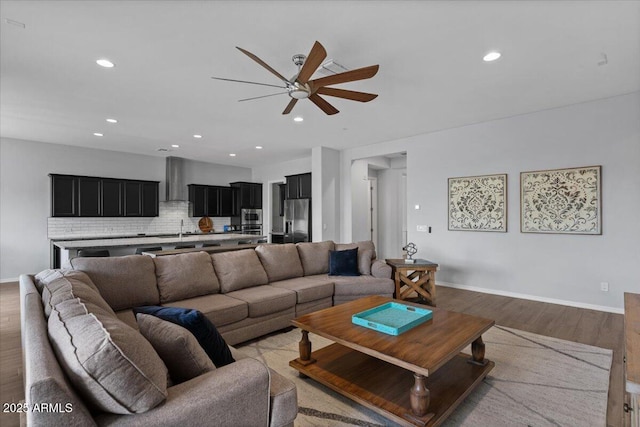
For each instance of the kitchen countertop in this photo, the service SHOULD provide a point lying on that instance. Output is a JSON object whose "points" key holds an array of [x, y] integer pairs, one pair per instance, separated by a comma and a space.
{"points": [[153, 240]]}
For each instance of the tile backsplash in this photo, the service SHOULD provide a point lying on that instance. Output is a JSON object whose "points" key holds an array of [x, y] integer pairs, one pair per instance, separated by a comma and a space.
{"points": [[168, 221]]}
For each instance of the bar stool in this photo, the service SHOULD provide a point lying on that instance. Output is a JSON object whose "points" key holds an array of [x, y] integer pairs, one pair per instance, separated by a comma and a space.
{"points": [[184, 246], [152, 249], [93, 253]]}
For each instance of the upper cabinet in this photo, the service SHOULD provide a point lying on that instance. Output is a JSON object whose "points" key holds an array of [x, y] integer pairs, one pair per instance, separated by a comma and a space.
{"points": [[86, 196], [299, 186], [212, 200], [249, 195]]}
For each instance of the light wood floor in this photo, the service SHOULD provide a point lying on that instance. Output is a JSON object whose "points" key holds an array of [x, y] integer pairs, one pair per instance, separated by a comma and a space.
{"points": [[574, 324]]}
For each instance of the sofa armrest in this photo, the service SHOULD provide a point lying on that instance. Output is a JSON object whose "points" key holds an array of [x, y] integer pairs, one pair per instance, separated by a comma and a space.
{"points": [[234, 395], [380, 269]]}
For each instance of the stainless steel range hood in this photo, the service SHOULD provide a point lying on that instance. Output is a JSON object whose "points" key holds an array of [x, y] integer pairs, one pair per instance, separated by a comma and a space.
{"points": [[176, 190]]}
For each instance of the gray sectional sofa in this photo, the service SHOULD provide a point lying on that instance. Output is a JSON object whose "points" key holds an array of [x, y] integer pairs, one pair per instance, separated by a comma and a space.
{"points": [[246, 294]]}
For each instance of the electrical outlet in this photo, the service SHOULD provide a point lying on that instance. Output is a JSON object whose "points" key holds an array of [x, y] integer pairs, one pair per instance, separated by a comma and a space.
{"points": [[422, 228], [604, 286]]}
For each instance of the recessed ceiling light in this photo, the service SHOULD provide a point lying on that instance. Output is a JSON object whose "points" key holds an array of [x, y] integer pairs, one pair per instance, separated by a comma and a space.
{"points": [[298, 119], [112, 120], [491, 56], [175, 145], [105, 63], [232, 155], [98, 134], [197, 136], [258, 147]]}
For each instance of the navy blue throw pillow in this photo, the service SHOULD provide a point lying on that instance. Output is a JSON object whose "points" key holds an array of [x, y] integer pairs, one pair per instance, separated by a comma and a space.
{"points": [[344, 263], [197, 323]]}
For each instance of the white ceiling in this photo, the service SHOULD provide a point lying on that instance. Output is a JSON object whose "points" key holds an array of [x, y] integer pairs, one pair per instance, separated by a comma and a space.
{"points": [[431, 76]]}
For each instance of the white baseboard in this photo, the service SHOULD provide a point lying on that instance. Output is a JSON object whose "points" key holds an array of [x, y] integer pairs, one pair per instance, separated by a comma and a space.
{"points": [[533, 297], [9, 280]]}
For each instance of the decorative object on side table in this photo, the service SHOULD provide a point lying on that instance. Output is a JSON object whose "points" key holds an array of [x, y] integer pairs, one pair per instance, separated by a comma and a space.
{"points": [[417, 278], [478, 203], [565, 201], [411, 250]]}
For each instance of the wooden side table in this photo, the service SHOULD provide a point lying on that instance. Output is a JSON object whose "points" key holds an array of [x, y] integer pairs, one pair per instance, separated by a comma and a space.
{"points": [[632, 358], [419, 277]]}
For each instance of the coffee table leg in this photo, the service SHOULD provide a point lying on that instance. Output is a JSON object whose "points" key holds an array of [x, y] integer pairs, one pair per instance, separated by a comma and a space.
{"points": [[419, 396], [477, 352], [305, 352]]}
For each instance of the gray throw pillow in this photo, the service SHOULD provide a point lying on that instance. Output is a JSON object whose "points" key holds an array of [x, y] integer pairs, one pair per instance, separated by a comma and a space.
{"points": [[177, 347]]}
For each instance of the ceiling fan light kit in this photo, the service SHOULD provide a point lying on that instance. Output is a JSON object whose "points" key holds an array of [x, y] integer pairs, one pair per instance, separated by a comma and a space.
{"points": [[300, 87]]}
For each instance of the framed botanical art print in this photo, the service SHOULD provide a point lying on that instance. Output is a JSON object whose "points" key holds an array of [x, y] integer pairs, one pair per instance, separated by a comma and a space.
{"points": [[564, 201], [478, 203]]}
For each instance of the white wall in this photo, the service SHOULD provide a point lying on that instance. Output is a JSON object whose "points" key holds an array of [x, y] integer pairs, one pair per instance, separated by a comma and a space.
{"points": [[326, 193], [25, 191], [391, 211], [556, 267]]}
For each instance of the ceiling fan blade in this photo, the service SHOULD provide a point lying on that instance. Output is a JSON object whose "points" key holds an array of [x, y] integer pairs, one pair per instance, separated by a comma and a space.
{"points": [[264, 64], [324, 105], [347, 94], [313, 61], [244, 81], [290, 106], [263, 96], [347, 76]]}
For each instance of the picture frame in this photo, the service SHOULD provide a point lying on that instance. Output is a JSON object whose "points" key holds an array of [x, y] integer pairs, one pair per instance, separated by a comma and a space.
{"points": [[561, 201], [478, 203]]}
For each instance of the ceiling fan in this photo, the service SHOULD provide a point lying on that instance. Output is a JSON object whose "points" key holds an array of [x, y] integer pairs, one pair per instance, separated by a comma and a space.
{"points": [[300, 87]]}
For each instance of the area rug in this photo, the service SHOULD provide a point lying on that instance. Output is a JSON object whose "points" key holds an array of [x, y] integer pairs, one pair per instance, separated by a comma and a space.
{"points": [[537, 381]]}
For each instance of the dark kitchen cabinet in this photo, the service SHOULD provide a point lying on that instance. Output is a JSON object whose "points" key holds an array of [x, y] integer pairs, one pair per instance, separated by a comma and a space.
{"points": [[89, 203], [299, 186], [86, 196], [112, 197], [150, 205], [228, 205], [248, 195], [132, 198], [140, 198], [212, 200], [64, 193]]}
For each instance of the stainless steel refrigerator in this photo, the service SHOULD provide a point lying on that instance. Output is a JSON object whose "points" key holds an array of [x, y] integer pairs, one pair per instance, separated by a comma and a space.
{"points": [[297, 220]]}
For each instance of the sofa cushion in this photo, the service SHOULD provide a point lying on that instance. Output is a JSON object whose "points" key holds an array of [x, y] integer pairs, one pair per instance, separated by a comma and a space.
{"points": [[280, 261], [362, 285], [70, 284], [202, 329], [362, 246], [314, 256], [308, 288], [344, 263], [267, 299], [124, 282], [176, 346], [364, 261], [220, 309], [238, 270], [185, 276], [108, 362]]}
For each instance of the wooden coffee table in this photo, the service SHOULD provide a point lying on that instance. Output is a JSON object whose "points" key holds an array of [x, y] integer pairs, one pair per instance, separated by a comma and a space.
{"points": [[416, 378]]}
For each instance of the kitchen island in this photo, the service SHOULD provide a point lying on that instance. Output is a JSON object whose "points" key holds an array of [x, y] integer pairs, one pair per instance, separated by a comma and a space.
{"points": [[63, 250]]}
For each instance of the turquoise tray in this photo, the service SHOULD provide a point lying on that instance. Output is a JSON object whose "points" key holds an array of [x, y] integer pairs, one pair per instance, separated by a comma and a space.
{"points": [[392, 318]]}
